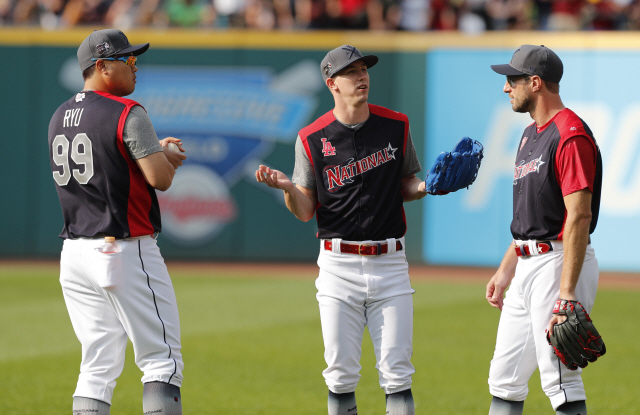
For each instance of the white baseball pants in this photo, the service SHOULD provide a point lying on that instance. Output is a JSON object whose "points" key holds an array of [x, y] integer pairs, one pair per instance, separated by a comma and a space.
{"points": [[356, 291], [521, 344], [114, 296]]}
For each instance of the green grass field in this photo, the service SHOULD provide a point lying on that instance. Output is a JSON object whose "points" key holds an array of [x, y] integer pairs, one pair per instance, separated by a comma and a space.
{"points": [[252, 345]]}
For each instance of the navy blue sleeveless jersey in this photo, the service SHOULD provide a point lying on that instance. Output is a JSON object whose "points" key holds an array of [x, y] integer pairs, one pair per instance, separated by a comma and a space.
{"points": [[358, 175], [538, 203], [101, 188]]}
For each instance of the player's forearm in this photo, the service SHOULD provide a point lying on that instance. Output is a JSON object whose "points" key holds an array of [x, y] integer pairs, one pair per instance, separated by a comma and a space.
{"points": [[575, 241], [412, 189], [157, 170], [301, 205], [509, 262]]}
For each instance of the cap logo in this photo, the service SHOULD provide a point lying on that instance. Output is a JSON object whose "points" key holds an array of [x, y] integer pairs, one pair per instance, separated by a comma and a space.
{"points": [[102, 48], [327, 68], [350, 51]]}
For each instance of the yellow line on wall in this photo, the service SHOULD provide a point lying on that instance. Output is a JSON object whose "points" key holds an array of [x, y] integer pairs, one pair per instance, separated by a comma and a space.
{"points": [[324, 40]]}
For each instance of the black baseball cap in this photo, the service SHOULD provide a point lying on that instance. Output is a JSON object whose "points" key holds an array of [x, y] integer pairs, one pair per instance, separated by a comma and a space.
{"points": [[533, 60], [106, 43], [341, 57]]}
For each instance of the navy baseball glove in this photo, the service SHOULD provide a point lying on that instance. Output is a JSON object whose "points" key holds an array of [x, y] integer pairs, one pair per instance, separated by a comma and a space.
{"points": [[455, 170], [576, 340]]}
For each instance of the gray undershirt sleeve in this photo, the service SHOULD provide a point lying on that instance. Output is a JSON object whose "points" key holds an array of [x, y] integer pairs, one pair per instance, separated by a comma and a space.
{"points": [[139, 135], [303, 173], [411, 162]]}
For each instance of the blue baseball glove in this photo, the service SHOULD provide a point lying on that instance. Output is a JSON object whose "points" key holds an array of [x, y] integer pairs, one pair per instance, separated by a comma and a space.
{"points": [[455, 170]]}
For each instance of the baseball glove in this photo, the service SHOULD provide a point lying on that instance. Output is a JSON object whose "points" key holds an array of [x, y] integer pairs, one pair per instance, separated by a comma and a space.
{"points": [[576, 340], [455, 170]]}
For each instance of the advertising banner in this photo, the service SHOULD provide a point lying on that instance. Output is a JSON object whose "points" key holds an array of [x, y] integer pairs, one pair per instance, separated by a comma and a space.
{"points": [[228, 119]]}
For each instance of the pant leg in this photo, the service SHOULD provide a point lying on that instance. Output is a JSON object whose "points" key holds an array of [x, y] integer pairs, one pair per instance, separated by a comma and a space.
{"points": [[342, 315], [95, 323], [145, 303], [560, 384], [514, 358], [390, 323]]}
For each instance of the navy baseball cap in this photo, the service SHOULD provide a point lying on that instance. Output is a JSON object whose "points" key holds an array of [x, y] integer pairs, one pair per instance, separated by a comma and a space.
{"points": [[106, 43], [533, 60], [341, 57]]}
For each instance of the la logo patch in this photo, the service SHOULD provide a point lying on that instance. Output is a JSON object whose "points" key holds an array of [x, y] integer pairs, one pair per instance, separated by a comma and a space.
{"points": [[327, 148]]}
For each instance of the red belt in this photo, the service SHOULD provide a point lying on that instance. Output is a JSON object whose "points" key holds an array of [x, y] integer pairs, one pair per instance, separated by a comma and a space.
{"points": [[362, 249], [543, 248]]}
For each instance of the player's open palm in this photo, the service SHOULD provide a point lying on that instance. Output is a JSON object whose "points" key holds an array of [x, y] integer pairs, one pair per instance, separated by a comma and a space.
{"points": [[273, 178]]}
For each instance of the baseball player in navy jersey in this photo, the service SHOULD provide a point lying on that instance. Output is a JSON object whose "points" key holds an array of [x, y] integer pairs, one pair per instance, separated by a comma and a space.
{"points": [[354, 168], [556, 197], [107, 162]]}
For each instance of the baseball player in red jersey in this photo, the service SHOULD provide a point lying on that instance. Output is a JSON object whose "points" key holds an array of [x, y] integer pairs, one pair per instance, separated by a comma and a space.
{"points": [[354, 168], [556, 198], [107, 162]]}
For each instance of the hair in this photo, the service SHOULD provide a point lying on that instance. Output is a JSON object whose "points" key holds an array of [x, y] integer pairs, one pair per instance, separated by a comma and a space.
{"points": [[88, 73], [553, 87]]}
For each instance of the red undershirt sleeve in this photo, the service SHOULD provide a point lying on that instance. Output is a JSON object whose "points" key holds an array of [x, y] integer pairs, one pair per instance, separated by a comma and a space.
{"points": [[576, 165]]}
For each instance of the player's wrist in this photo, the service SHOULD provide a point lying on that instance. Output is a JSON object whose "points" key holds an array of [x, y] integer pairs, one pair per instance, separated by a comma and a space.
{"points": [[568, 295], [289, 188]]}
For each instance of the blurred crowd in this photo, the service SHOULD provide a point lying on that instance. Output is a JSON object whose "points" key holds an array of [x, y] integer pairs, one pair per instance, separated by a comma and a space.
{"points": [[472, 16]]}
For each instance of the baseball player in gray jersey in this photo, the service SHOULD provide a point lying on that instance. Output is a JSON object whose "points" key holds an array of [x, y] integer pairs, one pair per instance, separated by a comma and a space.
{"points": [[107, 162], [354, 168]]}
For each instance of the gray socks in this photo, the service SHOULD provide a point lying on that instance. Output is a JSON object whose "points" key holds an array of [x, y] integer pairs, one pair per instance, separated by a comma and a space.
{"points": [[88, 406], [342, 403], [161, 398], [400, 403], [572, 408], [502, 407]]}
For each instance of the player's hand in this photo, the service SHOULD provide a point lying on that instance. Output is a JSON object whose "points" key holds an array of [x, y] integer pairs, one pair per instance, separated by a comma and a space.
{"points": [[556, 319], [412, 188], [165, 142], [273, 178], [422, 190], [496, 288], [174, 157]]}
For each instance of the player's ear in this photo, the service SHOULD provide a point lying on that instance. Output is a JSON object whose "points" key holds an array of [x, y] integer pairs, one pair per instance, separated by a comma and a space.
{"points": [[331, 84], [536, 83], [101, 66]]}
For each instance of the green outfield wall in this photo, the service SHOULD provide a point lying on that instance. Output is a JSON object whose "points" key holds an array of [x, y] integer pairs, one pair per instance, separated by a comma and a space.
{"points": [[258, 88]]}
